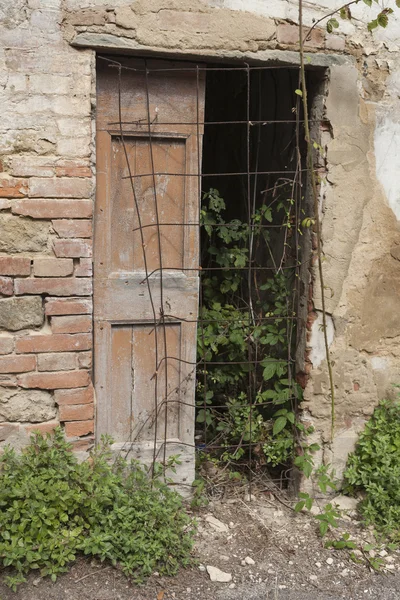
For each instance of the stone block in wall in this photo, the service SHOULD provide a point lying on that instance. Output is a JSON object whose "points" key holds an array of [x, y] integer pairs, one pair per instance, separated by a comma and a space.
{"points": [[54, 380], [21, 313], [64, 306], [77, 146], [23, 235], [62, 342], [8, 429], [46, 83], [26, 405], [31, 166], [53, 209]]}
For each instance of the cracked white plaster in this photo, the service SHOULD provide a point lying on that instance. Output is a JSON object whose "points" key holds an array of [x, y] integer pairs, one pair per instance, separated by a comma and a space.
{"points": [[317, 343], [387, 153]]}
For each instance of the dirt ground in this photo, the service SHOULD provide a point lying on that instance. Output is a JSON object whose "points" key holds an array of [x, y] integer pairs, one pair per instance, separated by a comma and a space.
{"points": [[271, 553]]}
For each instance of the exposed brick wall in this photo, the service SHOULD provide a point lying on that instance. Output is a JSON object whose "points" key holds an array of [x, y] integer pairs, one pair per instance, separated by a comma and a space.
{"points": [[46, 207]]}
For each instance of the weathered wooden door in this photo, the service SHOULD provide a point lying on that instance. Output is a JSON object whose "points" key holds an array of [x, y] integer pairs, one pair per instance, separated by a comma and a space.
{"points": [[146, 254]]}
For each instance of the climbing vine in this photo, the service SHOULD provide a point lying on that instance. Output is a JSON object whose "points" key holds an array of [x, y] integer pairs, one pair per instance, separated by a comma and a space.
{"points": [[242, 402]]}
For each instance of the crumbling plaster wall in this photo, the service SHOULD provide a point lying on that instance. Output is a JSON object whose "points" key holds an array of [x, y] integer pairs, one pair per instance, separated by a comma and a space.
{"points": [[48, 180]]}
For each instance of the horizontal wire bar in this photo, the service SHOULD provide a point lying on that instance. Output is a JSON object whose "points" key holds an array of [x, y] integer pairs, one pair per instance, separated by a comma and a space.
{"points": [[260, 226], [242, 173], [246, 67], [203, 269], [258, 319], [205, 123], [200, 404], [228, 362]]}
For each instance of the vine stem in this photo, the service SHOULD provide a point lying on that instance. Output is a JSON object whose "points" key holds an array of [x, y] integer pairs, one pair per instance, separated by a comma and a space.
{"points": [[334, 12], [316, 213]]}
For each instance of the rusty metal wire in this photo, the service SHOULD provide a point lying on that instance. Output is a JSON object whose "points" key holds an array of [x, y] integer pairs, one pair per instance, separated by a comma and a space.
{"points": [[293, 175]]}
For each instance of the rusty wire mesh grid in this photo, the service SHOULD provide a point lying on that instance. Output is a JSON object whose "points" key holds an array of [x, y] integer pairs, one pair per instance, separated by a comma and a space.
{"points": [[292, 180]]}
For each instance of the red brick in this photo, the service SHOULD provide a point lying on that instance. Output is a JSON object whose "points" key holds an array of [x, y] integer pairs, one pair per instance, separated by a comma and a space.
{"points": [[13, 188], [31, 166], [72, 248], [53, 209], [54, 343], [335, 42], [72, 169], [47, 427], [8, 381], [69, 228], [289, 35], [5, 203], [83, 444], [68, 187], [54, 381], [10, 265], [57, 361], [76, 412], [17, 364], [7, 429], [71, 324], [6, 345], [62, 306], [85, 360], [53, 267], [85, 268], [7, 286], [78, 428], [82, 396], [70, 286]]}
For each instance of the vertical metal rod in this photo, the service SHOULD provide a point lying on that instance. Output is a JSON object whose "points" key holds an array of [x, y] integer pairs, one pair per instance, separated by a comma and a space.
{"points": [[249, 221], [201, 304], [162, 316]]}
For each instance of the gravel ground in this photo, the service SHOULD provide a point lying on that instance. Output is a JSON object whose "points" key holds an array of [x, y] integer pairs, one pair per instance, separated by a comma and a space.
{"points": [[269, 551]]}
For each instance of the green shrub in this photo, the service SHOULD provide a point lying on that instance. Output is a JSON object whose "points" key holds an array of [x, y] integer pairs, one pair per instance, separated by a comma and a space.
{"points": [[53, 508], [374, 470]]}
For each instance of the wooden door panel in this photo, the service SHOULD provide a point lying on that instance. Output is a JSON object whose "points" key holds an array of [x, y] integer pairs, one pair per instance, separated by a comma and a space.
{"points": [[129, 304], [169, 157]]}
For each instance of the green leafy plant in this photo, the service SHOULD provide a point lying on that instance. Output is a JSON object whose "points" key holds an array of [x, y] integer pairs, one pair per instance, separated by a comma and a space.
{"points": [[373, 470], [237, 398], [53, 508]]}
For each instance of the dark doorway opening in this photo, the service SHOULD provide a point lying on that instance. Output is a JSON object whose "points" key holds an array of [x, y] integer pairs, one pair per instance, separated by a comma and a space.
{"points": [[255, 269]]}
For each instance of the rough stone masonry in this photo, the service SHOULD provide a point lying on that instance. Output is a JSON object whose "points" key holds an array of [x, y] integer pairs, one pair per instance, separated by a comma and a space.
{"points": [[47, 190]]}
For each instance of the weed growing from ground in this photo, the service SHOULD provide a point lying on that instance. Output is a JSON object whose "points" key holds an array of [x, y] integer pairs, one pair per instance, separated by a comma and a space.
{"points": [[53, 508]]}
